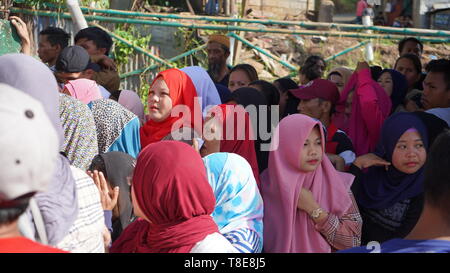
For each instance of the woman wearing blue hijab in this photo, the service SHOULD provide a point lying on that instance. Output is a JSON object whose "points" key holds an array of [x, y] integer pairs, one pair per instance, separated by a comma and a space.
{"points": [[390, 193], [239, 206]]}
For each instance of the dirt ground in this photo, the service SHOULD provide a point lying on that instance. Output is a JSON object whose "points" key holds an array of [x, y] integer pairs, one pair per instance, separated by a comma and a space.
{"points": [[295, 49]]}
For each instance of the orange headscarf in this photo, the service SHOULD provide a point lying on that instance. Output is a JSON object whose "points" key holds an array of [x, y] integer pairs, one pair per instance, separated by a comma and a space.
{"points": [[182, 92]]}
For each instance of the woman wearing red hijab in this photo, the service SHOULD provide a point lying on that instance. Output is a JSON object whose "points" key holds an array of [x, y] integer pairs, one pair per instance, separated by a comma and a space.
{"points": [[170, 88], [174, 201], [236, 134]]}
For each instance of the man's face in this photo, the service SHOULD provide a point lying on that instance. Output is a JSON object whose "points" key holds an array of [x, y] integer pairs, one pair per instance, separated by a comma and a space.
{"points": [[216, 54], [90, 47], [312, 108], [435, 91], [412, 48], [64, 77], [47, 53]]}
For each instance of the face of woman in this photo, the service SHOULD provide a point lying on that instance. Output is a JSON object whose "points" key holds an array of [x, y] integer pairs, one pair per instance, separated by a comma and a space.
{"points": [[407, 68], [311, 154], [409, 153], [159, 101], [385, 80], [238, 79], [338, 80]]}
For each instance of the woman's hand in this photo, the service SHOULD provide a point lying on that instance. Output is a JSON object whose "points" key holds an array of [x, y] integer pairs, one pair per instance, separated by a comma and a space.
{"points": [[369, 160], [362, 66], [306, 201], [22, 31], [108, 201]]}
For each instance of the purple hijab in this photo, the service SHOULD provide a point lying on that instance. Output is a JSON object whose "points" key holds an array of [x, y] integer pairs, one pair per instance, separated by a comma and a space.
{"points": [[380, 189], [59, 204]]}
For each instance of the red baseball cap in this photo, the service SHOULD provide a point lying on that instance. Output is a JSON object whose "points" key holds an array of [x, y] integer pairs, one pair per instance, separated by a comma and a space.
{"points": [[318, 88]]}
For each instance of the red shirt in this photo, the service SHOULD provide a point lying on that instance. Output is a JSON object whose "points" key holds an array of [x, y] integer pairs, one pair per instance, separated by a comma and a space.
{"points": [[360, 7], [24, 245]]}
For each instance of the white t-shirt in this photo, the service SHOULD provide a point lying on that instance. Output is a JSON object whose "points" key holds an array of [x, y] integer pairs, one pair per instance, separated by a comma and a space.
{"points": [[214, 243]]}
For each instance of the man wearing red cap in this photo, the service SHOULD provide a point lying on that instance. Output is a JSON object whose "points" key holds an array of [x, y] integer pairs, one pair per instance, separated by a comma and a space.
{"points": [[317, 100]]}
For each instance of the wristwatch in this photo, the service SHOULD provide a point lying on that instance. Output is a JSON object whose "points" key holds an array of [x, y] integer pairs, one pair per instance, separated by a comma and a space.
{"points": [[316, 213]]}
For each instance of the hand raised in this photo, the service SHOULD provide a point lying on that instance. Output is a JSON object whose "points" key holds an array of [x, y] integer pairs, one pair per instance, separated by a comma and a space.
{"points": [[109, 201]]}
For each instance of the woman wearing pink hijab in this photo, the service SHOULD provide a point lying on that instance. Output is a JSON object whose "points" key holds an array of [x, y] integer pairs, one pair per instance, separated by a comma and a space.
{"points": [[362, 110], [308, 205], [83, 89]]}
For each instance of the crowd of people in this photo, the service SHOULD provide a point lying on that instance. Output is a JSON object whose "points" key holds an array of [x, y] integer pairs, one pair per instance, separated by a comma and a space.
{"points": [[223, 162]]}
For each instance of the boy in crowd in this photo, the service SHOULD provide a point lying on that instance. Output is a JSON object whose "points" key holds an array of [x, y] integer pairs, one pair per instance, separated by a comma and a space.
{"points": [[52, 41], [74, 63], [98, 44], [436, 89]]}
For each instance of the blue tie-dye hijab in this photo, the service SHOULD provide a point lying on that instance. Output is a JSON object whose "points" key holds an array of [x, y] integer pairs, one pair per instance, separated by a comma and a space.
{"points": [[238, 201]]}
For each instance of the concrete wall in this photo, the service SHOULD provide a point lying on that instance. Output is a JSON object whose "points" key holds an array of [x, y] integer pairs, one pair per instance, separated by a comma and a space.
{"points": [[420, 9], [279, 9]]}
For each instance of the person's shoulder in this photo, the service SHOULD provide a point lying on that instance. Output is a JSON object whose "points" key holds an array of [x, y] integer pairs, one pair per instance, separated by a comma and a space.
{"points": [[415, 246], [25, 245], [359, 249], [214, 243]]}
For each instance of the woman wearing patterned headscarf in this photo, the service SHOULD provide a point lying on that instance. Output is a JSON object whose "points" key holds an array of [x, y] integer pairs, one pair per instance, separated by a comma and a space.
{"points": [[239, 205], [117, 128], [80, 134]]}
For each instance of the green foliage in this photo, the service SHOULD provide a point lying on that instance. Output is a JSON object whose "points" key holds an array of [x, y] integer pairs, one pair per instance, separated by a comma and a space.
{"points": [[143, 92], [37, 3], [122, 52]]}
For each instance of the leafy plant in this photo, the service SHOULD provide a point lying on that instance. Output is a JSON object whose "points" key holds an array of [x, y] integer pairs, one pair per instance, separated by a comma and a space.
{"points": [[122, 52], [39, 3]]}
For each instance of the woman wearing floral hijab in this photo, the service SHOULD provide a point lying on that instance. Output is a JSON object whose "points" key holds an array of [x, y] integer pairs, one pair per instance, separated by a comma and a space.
{"points": [[80, 133], [239, 206], [308, 206], [171, 195]]}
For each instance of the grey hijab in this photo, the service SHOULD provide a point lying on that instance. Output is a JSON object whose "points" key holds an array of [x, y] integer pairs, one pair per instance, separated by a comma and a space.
{"points": [[117, 167], [59, 205]]}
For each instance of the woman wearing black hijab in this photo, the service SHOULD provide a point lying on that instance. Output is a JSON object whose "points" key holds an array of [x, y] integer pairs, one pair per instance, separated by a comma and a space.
{"points": [[247, 96], [288, 102]]}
